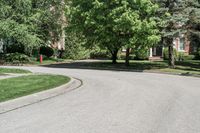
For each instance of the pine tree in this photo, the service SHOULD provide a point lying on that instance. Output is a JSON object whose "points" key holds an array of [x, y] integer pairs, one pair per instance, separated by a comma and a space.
{"points": [[175, 16], [194, 25]]}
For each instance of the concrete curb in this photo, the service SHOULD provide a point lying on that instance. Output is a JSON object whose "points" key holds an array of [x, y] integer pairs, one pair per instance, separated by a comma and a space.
{"points": [[21, 102]]}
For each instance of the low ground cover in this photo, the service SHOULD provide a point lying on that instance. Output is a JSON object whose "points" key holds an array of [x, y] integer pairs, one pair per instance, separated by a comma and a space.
{"points": [[20, 86], [182, 67], [17, 71]]}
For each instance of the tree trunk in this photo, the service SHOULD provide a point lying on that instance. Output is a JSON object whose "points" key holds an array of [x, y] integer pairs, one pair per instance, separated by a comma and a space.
{"points": [[171, 57], [114, 56], [127, 63]]}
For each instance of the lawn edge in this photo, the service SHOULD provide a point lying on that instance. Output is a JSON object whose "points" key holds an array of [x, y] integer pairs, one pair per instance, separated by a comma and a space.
{"points": [[24, 101]]}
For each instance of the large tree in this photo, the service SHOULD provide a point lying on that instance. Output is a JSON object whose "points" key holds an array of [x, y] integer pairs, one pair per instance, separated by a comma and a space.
{"points": [[113, 24], [52, 21], [194, 25], [17, 22], [180, 17], [33, 22]]}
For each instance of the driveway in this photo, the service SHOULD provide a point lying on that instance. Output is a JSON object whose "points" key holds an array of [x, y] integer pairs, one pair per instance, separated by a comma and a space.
{"points": [[113, 102]]}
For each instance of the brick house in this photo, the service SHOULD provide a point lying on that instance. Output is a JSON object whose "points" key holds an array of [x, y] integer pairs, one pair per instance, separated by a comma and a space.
{"points": [[181, 44]]}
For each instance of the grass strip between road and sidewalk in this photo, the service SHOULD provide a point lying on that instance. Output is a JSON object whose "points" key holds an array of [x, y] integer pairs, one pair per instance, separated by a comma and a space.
{"points": [[16, 71], [24, 85]]}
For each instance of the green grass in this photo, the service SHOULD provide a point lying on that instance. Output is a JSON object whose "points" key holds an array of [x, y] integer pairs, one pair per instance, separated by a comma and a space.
{"points": [[190, 67], [25, 85], [48, 61], [8, 70]]}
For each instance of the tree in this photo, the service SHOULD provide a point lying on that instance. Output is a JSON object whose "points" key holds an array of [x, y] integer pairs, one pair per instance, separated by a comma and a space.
{"points": [[53, 21], [194, 25], [17, 22], [113, 24], [33, 22], [176, 14]]}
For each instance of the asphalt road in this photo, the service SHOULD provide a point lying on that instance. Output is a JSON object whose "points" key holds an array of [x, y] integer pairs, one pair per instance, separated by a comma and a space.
{"points": [[113, 102]]}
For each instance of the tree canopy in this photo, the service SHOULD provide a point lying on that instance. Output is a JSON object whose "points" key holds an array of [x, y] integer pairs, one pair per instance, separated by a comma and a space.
{"points": [[30, 22], [113, 24]]}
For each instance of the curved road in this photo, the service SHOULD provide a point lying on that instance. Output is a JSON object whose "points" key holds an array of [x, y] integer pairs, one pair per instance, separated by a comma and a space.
{"points": [[113, 102]]}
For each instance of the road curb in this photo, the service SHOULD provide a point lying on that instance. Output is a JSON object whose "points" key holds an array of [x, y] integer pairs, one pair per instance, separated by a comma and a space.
{"points": [[21, 102]]}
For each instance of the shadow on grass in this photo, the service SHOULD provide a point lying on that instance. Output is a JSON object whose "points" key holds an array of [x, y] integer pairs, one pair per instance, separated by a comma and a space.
{"points": [[138, 66]]}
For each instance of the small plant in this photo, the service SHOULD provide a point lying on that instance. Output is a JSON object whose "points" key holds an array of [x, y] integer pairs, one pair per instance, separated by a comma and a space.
{"points": [[197, 55], [166, 54], [99, 54], [16, 58], [141, 54], [181, 56]]}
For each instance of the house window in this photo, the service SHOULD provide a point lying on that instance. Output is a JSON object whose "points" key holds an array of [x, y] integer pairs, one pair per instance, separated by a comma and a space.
{"points": [[182, 44]]}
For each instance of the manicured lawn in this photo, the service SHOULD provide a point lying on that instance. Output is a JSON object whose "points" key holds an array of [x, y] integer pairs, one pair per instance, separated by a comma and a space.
{"points": [[190, 67], [25, 85], [48, 61], [8, 70]]}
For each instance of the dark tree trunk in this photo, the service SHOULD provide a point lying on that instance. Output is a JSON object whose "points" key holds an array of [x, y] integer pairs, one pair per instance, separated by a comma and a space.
{"points": [[127, 63], [171, 57], [114, 56]]}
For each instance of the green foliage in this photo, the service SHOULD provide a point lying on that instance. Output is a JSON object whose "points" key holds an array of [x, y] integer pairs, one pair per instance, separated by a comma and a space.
{"points": [[176, 16], [113, 24], [16, 23], [47, 51], [182, 56], [74, 47], [15, 48], [9, 70], [166, 53], [25, 85], [16, 58], [188, 57], [194, 24], [98, 53], [141, 54], [197, 55], [30, 23]]}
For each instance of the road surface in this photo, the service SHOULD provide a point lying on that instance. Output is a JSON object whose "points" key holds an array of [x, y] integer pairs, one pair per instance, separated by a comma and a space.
{"points": [[113, 102]]}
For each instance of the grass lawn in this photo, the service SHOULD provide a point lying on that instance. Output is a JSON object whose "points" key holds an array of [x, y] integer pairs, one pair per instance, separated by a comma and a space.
{"points": [[25, 85], [8, 70], [48, 61], [190, 67]]}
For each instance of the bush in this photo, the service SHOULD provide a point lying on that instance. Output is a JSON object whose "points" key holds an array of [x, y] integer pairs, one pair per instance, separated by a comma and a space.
{"points": [[76, 54], [181, 56], [17, 58], [141, 54], [15, 48], [47, 51], [75, 47], [99, 54], [197, 55], [189, 57], [166, 54]]}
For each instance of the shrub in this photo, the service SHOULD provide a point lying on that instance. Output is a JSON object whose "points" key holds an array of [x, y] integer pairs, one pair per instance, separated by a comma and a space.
{"points": [[197, 55], [47, 51], [15, 48], [141, 54], [99, 54], [17, 58], [75, 47], [189, 57], [180, 56], [76, 54], [166, 54]]}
